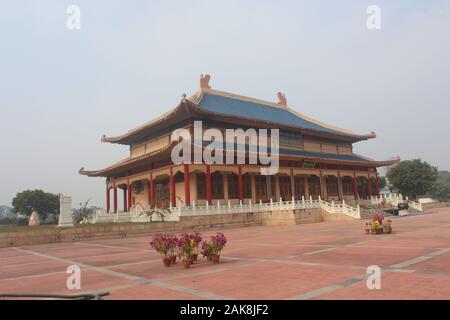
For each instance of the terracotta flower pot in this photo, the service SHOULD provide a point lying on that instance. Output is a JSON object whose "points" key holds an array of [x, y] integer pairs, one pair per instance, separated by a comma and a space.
{"points": [[367, 231], [373, 231], [167, 262], [208, 258], [194, 257], [186, 263], [174, 259], [215, 258]]}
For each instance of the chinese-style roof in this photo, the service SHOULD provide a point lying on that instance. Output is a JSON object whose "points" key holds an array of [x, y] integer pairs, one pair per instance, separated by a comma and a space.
{"points": [[243, 107], [236, 108]]}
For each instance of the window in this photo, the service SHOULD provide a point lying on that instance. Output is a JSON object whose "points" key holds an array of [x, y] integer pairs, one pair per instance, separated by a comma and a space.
{"points": [[233, 186], [247, 186], [201, 186], [217, 185]]}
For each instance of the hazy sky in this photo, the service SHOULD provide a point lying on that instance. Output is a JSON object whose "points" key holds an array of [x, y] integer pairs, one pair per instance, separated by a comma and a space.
{"points": [[61, 89]]}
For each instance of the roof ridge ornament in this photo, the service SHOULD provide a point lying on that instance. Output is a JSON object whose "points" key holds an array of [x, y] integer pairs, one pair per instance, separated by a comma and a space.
{"points": [[282, 99], [204, 81]]}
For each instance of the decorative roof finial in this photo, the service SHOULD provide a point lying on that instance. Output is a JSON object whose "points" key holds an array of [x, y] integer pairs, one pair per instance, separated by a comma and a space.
{"points": [[282, 99], [204, 81]]}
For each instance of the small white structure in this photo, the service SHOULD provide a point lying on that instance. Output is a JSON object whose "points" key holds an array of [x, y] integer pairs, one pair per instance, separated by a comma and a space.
{"points": [[34, 219], [65, 212]]}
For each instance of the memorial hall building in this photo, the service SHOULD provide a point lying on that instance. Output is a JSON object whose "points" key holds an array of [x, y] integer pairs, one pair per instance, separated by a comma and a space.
{"points": [[315, 159]]}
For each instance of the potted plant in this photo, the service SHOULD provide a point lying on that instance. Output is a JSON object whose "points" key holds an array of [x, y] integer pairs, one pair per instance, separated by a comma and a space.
{"points": [[375, 227], [387, 226], [164, 245], [196, 237], [368, 227], [186, 247], [211, 249]]}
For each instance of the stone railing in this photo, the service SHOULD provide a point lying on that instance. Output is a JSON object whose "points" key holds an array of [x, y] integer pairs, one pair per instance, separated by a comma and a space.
{"points": [[227, 208], [341, 208]]}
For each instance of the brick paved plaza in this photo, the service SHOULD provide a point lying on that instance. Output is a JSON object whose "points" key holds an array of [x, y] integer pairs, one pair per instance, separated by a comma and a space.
{"points": [[310, 261]]}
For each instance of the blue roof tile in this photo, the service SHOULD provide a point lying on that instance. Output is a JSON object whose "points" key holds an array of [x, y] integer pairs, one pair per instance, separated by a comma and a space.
{"points": [[258, 111]]}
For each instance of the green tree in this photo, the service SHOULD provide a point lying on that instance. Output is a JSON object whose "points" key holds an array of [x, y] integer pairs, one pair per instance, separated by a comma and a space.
{"points": [[440, 191], [43, 202], [412, 177], [382, 182]]}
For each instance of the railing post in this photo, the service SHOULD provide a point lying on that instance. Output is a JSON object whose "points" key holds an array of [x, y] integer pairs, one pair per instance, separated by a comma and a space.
{"points": [[229, 206], [193, 207], [293, 203], [207, 207], [250, 204]]}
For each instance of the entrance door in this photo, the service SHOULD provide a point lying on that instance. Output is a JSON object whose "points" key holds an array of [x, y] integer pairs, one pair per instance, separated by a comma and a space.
{"points": [[162, 193], [285, 188]]}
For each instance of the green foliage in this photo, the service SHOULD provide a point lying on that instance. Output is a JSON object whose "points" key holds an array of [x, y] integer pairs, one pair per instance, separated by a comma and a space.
{"points": [[412, 177], [43, 202], [440, 190], [382, 182], [84, 212], [444, 175]]}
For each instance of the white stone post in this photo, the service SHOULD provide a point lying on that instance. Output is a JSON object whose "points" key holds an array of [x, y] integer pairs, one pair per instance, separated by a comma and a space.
{"points": [[65, 212]]}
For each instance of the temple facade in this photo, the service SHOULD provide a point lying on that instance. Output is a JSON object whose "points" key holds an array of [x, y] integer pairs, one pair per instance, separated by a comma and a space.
{"points": [[315, 159]]}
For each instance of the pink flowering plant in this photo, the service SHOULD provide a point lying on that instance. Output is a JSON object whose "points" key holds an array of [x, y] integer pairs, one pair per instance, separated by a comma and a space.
{"points": [[214, 246], [378, 217], [186, 246], [196, 237], [164, 244]]}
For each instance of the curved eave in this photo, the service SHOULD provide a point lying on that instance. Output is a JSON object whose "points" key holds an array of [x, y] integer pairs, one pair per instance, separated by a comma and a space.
{"points": [[128, 163], [177, 114]]}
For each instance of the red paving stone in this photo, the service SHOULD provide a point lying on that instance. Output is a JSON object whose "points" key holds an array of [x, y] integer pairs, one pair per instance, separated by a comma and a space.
{"points": [[312, 261]]}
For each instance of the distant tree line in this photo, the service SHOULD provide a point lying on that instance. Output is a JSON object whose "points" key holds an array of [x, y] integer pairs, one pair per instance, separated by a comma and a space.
{"points": [[414, 178]]}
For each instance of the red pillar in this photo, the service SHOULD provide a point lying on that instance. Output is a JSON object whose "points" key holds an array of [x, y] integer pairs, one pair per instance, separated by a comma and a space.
{"points": [[151, 192], [355, 186], [173, 200], [125, 201], [240, 184], [129, 195], [369, 186], [115, 199], [208, 185], [187, 188], [377, 185], [108, 204]]}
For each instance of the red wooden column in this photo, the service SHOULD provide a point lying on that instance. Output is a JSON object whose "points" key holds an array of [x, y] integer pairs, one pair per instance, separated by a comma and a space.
{"points": [[355, 186], [129, 195], [377, 185], [151, 192], [369, 186], [187, 187], [108, 200], [115, 199], [208, 185], [125, 201], [173, 200], [240, 184]]}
